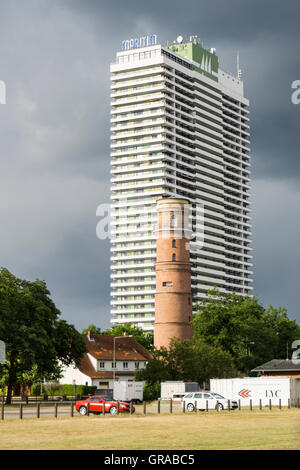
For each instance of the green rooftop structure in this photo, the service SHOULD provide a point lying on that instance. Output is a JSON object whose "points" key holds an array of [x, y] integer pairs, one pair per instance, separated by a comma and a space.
{"points": [[193, 51]]}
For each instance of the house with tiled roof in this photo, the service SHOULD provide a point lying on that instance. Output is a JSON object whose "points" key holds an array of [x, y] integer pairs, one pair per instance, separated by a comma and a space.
{"points": [[108, 358], [279, 368]]}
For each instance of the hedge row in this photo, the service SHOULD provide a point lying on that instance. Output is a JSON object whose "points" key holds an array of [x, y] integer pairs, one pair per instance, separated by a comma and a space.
{"points": [[64, 389]]}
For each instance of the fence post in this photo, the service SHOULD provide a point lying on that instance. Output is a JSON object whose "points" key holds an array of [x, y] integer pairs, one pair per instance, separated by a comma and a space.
{"points": [[131, 410], [144, 407], [103, 409], [260, 404], [171, 406], [55, 410], [21, 411], [158, 406], [289, 403], [2, 411], [206, 406], [280, 403], [118, 407], [298, 403], [195, 406], [251, 405], [270, 404], [72, 410], [38, 410], [239, 405], [228, 404], [183, 406]]}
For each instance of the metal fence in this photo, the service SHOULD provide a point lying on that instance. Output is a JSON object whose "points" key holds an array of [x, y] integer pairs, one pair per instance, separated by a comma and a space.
{"points": [[28, 399], [47, 408]]}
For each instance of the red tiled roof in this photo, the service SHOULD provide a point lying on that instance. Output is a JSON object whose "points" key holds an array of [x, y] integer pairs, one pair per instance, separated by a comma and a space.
{"points": [[87, 368], [126, 348]]}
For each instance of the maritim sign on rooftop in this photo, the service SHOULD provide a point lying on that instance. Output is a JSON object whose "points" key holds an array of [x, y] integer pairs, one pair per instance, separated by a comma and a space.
{"points": [[136, 43]]}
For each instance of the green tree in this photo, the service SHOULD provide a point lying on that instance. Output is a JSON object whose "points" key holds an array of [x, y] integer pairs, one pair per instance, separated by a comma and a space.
{"points": [[145, 338], [35, 337], [241, 326], [286, 330], [188, 361], [92, 328]]}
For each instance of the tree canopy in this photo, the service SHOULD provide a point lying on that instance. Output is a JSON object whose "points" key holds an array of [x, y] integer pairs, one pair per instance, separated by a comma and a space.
{"points": [[188, 361], [93, 329], [37, 341], [243, 327]]}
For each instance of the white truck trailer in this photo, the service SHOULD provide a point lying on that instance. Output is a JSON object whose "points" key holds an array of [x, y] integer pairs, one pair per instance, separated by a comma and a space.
{"points": [[176, 389], [124, 390], [258, 388]]}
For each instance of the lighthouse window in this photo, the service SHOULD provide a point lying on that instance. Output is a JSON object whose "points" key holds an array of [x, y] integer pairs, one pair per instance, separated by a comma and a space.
{"points": [[167, 284], [173, 243], [173, 257]]}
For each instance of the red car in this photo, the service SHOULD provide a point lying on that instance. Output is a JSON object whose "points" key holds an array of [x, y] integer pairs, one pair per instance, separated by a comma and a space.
{"points": [[97, 402]]}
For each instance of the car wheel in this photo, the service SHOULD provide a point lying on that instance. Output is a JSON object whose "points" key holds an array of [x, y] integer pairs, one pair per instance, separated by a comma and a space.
{"points": [[83, 410], [219, 407], [113, 410], [190, 407]]}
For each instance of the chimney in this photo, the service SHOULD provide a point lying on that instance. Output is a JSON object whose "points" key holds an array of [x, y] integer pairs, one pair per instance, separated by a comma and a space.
{"points": [[89, 335]]}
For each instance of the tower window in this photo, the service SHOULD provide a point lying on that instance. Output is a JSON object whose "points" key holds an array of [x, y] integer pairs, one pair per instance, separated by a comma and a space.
{"points": [[173, 221], [173, 257], [173, 243], [167, 284]]}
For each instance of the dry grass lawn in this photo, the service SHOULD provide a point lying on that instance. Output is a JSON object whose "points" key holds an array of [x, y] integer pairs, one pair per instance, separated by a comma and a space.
{"points": [[226, 430]]}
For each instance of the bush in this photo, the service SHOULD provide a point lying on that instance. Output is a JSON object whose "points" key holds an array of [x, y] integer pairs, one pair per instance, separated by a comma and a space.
{"points": [[151, 391], [69, 389], [36, 390], [63, 389]]}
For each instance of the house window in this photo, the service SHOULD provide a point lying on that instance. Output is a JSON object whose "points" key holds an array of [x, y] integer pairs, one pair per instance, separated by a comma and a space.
{"points": [[103, 385], [137, 365], [125, 365], [113, 365], [101, 365]]}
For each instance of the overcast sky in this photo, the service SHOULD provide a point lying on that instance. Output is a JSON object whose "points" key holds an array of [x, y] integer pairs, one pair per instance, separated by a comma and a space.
{"points": [[54, 135]]}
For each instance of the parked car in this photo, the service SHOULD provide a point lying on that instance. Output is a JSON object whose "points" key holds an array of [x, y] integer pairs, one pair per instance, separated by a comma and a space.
{"points": [[97, 402], [214, 401]]}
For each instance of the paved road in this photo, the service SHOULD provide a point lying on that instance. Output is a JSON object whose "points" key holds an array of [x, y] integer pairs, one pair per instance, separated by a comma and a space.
{"points": [[64, 409]]}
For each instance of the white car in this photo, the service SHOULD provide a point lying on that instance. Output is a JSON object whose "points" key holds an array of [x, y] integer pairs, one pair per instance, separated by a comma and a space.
{"points": [[212, 400]]}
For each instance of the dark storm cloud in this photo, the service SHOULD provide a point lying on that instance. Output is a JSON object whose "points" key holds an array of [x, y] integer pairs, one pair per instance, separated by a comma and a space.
{"points": [[54, 134]]}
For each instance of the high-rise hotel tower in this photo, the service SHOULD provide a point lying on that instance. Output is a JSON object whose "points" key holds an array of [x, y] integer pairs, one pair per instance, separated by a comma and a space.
{"points": [[179, 128]]}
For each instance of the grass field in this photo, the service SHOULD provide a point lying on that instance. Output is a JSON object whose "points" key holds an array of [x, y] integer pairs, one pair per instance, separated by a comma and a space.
{"points": [[226, 430]]}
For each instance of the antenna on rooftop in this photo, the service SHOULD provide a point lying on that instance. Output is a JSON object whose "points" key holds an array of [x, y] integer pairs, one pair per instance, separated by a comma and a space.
{"points": [[238, 69]]}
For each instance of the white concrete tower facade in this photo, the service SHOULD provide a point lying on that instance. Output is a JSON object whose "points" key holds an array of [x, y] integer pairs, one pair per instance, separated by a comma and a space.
{"points": [[179, 128]]}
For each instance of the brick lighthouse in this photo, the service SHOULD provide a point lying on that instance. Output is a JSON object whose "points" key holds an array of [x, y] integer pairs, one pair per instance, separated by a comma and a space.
{"points": [[173, 298]]}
